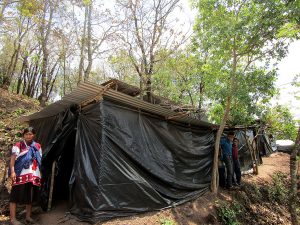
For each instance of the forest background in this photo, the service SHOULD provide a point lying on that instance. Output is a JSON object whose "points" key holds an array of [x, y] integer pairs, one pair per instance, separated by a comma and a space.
{"points": [[221, 60]]}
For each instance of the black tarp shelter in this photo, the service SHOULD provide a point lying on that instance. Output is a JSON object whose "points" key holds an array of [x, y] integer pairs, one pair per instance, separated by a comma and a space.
{"points": [[248, 153], [117, 155]]}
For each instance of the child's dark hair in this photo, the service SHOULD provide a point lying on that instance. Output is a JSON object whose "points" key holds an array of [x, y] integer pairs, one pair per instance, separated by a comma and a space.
{"points": [[28, 129], [235, 139]]}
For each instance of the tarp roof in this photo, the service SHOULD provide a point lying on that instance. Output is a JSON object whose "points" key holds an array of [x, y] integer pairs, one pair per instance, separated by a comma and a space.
{"points": [[87, 91]]}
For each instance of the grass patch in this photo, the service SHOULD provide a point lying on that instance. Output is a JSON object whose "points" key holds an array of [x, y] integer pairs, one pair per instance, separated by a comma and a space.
{"points": [[165, 221], [278, 192], [227, 213]]}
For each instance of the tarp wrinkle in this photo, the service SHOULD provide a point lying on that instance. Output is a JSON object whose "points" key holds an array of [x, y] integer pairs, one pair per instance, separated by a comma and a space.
{"points": [[126, 162]]}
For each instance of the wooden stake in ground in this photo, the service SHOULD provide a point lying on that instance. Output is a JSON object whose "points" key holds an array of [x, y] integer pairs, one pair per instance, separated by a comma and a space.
{"points": [[51, 186]]}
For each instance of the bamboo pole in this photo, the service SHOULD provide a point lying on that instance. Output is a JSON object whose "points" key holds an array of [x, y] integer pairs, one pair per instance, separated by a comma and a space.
{"points": [[51, 186]]}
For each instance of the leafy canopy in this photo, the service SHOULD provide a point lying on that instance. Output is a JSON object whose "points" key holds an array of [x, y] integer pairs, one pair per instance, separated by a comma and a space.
{"points": [[239, 40]]}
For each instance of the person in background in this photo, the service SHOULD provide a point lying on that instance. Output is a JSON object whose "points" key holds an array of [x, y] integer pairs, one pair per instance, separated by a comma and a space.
{"points": [[236, 163], [25, 164], [226, 146]]}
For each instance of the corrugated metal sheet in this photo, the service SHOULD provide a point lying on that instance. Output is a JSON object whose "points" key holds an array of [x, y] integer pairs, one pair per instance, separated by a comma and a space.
{"points": [[86, 91]]}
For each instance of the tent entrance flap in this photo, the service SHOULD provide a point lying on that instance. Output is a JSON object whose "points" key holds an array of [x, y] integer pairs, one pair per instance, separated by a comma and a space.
{"points": [[57, 136], [64, 166]]}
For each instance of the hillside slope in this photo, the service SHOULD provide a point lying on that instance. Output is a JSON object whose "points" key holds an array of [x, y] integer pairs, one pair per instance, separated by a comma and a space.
{"points": [[12, 106]]}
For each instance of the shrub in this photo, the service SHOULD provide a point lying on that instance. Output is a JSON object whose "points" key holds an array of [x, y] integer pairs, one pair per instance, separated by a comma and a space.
{"points": [[278, 192], [166, 222], [227, 214]]}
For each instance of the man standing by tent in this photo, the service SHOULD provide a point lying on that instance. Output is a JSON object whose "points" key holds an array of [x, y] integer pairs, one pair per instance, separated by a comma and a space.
{"points": [[226, 146], [236, 163]]}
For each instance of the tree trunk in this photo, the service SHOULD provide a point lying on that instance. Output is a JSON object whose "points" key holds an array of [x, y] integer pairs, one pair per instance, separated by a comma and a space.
{"points": [[201, 93], [81, 62], [15, 63], [214, 185], [45, 32], [6, 79], [89, 42], [148, 88], [64, 74], [43, 96], [15, 57], [232, 84], [35, 74], [22, 73], [294, 183]]}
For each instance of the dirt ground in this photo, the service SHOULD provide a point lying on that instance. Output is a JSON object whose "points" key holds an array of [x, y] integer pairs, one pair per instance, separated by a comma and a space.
{"points": [[197, 212], [277, 162]]}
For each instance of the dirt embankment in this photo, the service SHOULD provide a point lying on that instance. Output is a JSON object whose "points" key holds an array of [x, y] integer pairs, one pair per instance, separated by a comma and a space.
{"points": [[12, 106]]}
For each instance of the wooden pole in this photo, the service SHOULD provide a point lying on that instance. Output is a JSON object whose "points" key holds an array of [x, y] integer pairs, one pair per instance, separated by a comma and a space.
{"points": [[51, 186], [252, 153]]}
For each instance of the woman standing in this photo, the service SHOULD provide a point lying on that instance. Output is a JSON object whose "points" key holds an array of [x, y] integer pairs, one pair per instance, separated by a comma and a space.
{"points": [[25, 173]]}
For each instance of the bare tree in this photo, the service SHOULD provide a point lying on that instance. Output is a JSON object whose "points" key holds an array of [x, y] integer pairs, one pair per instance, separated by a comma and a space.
{"points": [[22, 29], [3, 6], [92, 40], [147, 31], [45, 29]]}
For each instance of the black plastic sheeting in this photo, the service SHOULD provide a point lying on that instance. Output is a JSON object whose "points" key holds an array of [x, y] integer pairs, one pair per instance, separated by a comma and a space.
{"points": [[264, 144], [246, 161], [54, 134], [123, 162]]}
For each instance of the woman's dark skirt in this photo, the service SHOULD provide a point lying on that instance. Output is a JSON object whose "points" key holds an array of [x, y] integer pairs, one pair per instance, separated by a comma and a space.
{"points": [[25, 193]]}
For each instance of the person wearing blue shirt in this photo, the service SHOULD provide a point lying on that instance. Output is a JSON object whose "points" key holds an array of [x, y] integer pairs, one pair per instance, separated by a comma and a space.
{"points": [[226, 146]]}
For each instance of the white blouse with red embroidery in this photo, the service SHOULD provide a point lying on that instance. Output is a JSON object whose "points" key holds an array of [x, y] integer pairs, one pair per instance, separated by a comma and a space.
{"points": [[32, 174]]}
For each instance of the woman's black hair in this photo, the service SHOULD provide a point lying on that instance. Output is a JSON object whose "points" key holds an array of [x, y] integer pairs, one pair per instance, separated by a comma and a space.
{"points": [[28, 129]]}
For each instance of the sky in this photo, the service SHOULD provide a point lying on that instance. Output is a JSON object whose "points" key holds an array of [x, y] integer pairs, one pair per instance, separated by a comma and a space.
{"points": [[289, 67]]}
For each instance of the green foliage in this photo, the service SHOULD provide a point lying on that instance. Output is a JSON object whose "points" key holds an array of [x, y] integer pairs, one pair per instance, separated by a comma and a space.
{"points": [[165, 221], [278, 192], [280, 122], [121, 64], [87, 2], [254, 193], [179, 78], [292, 28], [216, 113], [227, 214], [29, 8], [231, 36], [19, 112]]}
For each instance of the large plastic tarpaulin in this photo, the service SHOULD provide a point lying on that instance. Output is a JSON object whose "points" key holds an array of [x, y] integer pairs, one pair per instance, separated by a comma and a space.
{"points": [[246, 161], [125, 161], [263, 143]]}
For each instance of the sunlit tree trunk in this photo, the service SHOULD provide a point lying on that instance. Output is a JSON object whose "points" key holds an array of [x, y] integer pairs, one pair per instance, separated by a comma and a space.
{"points": [[83, 45], [89, 43], [231, 87], [294, 181], [45, 32]]}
